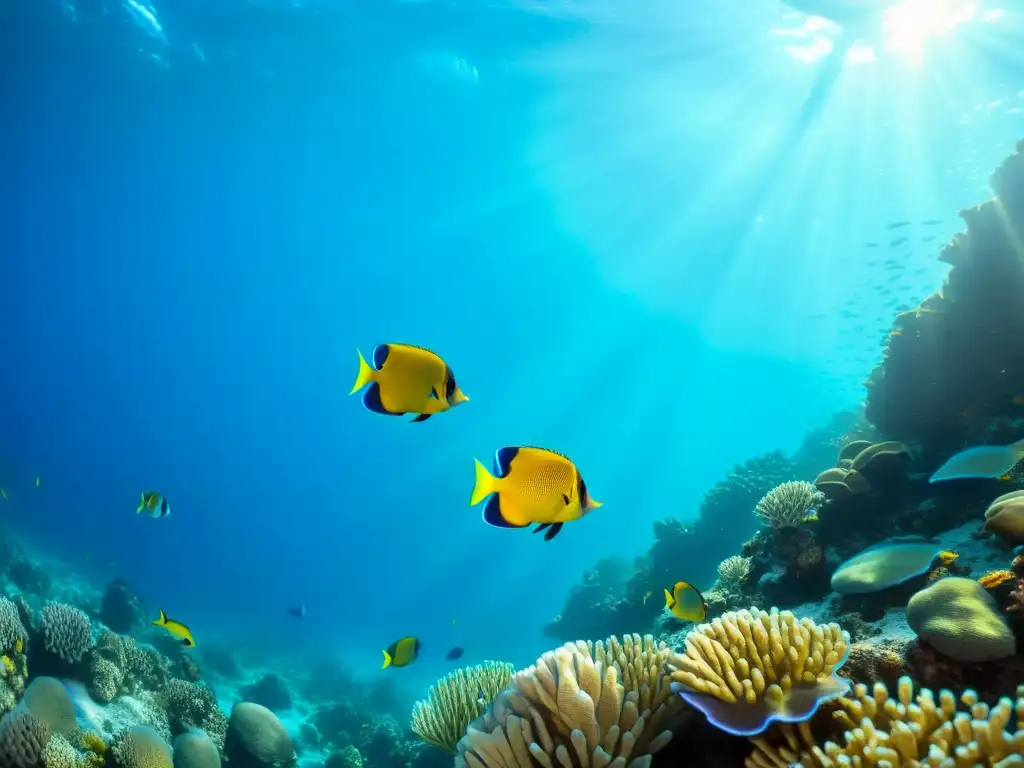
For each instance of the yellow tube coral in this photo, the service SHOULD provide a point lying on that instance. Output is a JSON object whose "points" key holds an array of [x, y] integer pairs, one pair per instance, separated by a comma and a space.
{"points": [[906, 731], [747, 669], [458, 699], [581, 706]]}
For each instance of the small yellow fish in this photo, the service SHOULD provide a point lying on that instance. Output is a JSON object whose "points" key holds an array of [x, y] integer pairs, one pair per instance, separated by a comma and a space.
{"points": [[19, 645], [38, 480], [531, 485], [176, 629], [401, 653], [454, 622], [686, 602], [407, 379], [154, 505]]}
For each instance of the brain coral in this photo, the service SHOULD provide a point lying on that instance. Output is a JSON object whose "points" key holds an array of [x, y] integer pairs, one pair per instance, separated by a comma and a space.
{"points": [[22, 740], [908, 731], [194, 705], [747, 669], [141, 747], [47, 699], [458, 699], [580, 705], [256, 738], [194, 749], [958, 618], [883, 566], [67, 631]]}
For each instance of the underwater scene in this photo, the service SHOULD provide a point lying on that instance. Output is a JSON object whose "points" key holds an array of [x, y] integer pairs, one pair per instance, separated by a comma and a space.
{"points": [[511, 383]]}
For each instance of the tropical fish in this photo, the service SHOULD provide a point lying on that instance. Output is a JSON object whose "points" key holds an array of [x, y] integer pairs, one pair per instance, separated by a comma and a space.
{"points": [[983, 461], [455, 653], [686, 602], [298, 611], [407, 379], [401, 653], [531, 485], [897, 241], [175, 629], [19, 644], [897, 225], [38, 481], [154, 505]]}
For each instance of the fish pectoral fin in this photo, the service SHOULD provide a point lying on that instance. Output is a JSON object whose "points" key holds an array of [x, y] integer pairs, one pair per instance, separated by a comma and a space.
{"points": [[541, 527], [421, 417], [553, 531]]}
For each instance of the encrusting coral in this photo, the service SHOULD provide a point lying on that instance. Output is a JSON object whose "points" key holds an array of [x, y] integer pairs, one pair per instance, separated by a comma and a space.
{"points": [[906, 731], [580, 705], [458, 699], [749, 668], [789, 505]]}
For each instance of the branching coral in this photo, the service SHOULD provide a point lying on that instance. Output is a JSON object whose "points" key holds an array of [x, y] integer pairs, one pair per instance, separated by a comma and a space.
{"points": [[458, 699], [747, 669], [907, 731], [580, 705], [67, 631], [732, 572], [789, 505]]}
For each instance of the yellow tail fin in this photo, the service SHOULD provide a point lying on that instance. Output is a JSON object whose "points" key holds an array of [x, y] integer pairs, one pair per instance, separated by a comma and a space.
{"points": [[387, 660], [668, 599], [142, 503], [162, 620], [365, 375], [485, 484]]}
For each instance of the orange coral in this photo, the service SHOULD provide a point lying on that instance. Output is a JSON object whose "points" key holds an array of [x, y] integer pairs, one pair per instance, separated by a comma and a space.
{"points": [[993, 579], [947, 557]]}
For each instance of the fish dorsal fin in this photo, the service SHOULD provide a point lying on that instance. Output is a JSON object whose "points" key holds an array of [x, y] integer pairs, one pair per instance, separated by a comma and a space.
{"points": [[162, 619]]}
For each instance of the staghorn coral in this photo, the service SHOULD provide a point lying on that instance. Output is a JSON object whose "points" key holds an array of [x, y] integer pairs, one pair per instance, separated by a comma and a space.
{"points": [[749, 668], [789, 505], [67, 631], [582, 704], [906, 731], [458, 699]]}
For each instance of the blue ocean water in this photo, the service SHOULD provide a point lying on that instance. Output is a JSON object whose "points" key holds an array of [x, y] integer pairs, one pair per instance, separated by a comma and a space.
{"points": [[624, 227]]}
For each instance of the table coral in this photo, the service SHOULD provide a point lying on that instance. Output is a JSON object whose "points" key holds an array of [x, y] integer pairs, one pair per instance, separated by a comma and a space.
{"points": [[456, 700], [749, 668], [906, 731], [582, 704]]}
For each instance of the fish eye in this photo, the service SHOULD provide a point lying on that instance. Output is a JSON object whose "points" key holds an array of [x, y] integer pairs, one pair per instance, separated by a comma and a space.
{"points": [[449, 386]]}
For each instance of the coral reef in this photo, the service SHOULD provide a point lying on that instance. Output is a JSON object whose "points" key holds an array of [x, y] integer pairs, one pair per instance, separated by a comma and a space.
{"points": [[570, 708], [458, 699], [789, 505], [922, 391], [910, 730], [747, 669]]}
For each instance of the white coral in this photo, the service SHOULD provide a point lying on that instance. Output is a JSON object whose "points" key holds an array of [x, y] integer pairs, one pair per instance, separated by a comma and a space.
{"points": [[789, 505], [732, 572]]}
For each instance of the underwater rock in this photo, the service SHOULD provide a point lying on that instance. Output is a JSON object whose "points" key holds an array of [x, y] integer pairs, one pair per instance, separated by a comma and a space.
{"points": [[270, 691], [958, 618], [120, 609], [923, 391]]}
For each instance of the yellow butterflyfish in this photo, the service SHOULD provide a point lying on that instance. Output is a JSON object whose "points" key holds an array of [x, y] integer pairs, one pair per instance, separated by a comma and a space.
{"points": [[407, 379]]}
